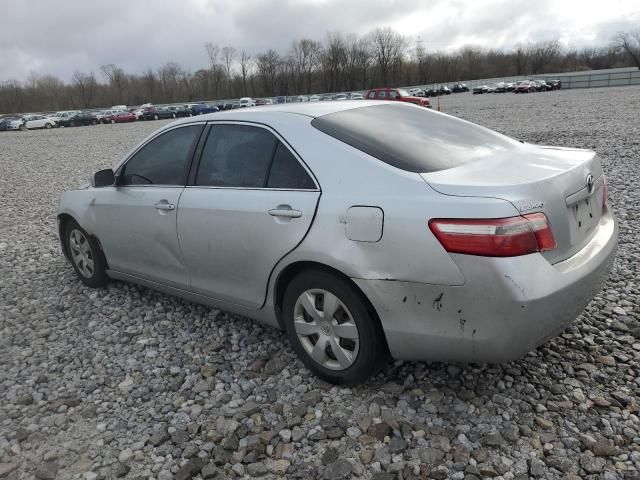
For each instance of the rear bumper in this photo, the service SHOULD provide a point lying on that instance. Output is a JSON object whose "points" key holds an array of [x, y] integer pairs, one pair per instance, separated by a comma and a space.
{"points": [[506, 308]]}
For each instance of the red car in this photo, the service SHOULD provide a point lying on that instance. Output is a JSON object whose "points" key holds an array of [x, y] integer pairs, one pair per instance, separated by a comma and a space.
{"points": [[525, 86], [397, 94], [120, 117]]}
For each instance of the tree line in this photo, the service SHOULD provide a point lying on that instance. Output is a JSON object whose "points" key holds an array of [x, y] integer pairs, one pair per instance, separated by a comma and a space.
{"points": [[342, 62]]}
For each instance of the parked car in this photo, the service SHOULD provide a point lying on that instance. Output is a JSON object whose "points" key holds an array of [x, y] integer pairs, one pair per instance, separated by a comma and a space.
{"points": [[510, 87], [356, 96], [63, 115], [78, 119], [120, 117], [397, 94], [462, 244], [459, 88], [525, 86], [101, 115], [202, 109], [416, 92], [499, 87], [540, 87], [281, 99], [480, 89], [181, 111], [157, 113], [555, 84], [11, 122], [444, 90], [32, 122], [340, 96], [327, 97], [543, 86], [246, 102], [315, 98]]}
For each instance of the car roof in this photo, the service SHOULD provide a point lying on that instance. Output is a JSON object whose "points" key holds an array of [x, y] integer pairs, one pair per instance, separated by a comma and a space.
{"points": [[308, 109]]}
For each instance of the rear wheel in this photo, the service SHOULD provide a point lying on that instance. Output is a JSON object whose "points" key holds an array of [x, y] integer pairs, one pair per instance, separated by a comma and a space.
{"points": [[156, 117], [332, 329], [173, 115], [94, 122], [86, 256], [48, 125]]}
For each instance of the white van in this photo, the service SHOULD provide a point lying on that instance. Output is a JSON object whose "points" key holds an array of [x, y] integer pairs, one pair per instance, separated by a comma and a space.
{"points": [[246, 102]]}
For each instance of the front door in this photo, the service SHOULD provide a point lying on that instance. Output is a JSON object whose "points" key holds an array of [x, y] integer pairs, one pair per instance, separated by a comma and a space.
{"points": [[136, 220], [252, 202]]}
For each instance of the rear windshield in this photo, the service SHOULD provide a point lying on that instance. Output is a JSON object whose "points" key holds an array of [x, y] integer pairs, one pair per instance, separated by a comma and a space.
{"points": [[412, 138]]}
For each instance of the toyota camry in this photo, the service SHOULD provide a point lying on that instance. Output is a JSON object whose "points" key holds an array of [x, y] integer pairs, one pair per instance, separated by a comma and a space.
{"points": [[364, 229]]}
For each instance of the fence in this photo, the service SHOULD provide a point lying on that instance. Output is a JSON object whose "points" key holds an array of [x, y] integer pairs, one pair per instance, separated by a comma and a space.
{"points": [[612, 77]]}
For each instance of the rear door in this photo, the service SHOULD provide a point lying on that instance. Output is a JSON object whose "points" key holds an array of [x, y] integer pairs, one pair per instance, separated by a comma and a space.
{"points": [[250, 201]]}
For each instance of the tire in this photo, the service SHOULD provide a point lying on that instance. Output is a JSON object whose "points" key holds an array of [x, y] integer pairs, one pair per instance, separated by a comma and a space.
{"points": [[23, 128], [156, 117], [360, 358], [173, 115], [72, 124], [48, 126], [82, 247]]}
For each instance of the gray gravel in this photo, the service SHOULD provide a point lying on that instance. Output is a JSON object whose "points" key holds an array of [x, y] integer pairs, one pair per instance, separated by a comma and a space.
{"points": [[126, 382]]}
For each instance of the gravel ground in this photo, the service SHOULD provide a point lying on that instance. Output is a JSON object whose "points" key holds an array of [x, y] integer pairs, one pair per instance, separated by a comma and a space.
{"points": [[126, 382]]}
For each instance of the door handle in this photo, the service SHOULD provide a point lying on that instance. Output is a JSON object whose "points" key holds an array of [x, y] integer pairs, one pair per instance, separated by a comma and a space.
{"points": [[285, 212], [165, 206]]}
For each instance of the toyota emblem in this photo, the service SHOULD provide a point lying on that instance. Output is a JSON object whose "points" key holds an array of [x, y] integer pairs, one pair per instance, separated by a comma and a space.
{"points": [[591, 183]]}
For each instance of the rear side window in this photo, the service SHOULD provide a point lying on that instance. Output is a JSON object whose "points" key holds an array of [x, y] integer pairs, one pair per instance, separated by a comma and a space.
{"points": [[382, 93], [236, 156], [286, 171], [162, 161], [413, 138], [371, 94]]}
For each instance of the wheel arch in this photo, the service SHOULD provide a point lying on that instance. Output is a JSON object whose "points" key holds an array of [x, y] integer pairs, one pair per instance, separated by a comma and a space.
{"points": [[290, 271], [63, 220]]}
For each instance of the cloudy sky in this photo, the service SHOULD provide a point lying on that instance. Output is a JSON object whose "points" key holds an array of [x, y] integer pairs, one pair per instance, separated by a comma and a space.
{"points": [[59, 37]]}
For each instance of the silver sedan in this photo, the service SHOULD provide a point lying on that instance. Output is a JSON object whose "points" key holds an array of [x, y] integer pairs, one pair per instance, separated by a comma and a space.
{"points": [[365, 229]]}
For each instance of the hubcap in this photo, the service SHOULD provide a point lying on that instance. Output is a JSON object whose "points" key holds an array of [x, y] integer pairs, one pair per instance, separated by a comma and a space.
{"points": [[81, 253], [326, 329]]}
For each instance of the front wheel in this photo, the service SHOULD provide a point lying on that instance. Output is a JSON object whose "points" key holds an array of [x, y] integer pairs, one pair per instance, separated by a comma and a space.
{"points": [[86, 256], [173, 115], [48, 126], [94, 122], [156, 117], [332, 329]]}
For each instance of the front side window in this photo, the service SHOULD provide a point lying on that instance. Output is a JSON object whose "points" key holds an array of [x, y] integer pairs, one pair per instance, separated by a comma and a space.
{"points": [[382, 94], [164, 160], [372, 94], [236, 156]]}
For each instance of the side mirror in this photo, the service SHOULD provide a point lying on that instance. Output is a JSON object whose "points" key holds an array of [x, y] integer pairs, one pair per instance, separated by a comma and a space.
{"points": [[103, 178]]}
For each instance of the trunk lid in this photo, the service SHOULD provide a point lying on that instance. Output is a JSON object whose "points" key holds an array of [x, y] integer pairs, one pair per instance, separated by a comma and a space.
{"points": [[533, 178]]}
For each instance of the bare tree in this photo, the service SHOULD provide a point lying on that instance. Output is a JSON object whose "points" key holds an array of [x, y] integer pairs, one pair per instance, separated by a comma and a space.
{"points": [[521, 59], [117, 81], [229, 55], [542, 54], [388, 49], [306, 56], [629, 43], [245, 65], [212, 54], [267, 65], [86, 86]]}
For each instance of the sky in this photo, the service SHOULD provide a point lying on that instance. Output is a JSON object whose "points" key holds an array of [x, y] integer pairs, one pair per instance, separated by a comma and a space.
{"points": [[59, 37]]}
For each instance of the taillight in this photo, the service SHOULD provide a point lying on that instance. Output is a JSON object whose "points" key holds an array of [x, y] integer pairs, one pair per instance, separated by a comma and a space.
{"points": [[495, 237], [605, 189]]}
